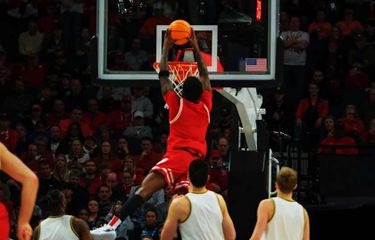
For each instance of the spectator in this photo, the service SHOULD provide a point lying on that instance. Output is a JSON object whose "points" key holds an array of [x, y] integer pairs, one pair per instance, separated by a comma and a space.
{"points": [[104, 195], [22, 140], [329, 127], [320, 28], [76, 156], [90, 146], [296, 43], [142, 103], [35, 117], [31, 41], [136, 57], [58, 113], [107, 99], [77, 97], [367, 109], [348, 24], [120, 119], [34, 73], [46, 180], [137, 131], [339, 143], [149, 156], [107, 157], [362, 52], [113, 182], [19, 102], [223, 147], [8, 136], [93, 116], [61, 171], [91, 179], [122, 149], [93, 219], [151, 228], [353, 125], [47, 24], [57, 143], [370, 135], [279, 113], [76, 116], [310, 114]]}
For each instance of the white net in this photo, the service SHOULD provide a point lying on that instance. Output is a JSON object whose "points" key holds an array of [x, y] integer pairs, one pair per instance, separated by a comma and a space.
{"points": [[179, 71]]}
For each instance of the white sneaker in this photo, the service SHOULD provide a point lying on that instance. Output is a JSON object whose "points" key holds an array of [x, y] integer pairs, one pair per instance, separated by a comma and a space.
{"points": [[104, 233]]}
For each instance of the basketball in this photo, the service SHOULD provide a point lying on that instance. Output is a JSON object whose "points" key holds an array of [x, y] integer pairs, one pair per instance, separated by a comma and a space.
{"points": [[180, 31]]}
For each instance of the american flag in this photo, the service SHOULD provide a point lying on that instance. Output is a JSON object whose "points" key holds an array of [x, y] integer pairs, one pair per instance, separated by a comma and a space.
{"points": [[256, 65]]}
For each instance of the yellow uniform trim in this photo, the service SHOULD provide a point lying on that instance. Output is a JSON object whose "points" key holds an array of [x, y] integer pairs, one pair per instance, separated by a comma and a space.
{"points": [[274, 209], [72, 227], [189, 210]]}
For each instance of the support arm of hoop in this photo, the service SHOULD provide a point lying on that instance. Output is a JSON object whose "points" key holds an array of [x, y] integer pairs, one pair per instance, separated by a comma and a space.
{"points": [[248, 104]]}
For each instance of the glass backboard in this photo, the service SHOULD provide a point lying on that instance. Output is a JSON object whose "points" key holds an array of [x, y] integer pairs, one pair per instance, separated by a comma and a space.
{"points": [[238, 40]]}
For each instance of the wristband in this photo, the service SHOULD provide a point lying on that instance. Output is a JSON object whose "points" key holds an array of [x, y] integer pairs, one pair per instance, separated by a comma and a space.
{"points": [[164, 73]]}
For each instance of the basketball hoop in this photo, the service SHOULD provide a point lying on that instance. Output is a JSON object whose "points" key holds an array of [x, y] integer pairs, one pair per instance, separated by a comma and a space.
{"points": [[179, 71]]}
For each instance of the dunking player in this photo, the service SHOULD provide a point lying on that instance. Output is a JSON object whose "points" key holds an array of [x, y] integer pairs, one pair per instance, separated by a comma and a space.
{"points": [[189, 117], [14, 167], [200, 214]]}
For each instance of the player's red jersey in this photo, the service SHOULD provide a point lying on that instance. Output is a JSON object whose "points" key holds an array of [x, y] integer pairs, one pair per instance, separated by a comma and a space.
{"points": [[4, 222], [188, 122]]}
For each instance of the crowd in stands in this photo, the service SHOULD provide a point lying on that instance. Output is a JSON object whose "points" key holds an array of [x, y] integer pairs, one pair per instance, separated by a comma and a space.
{"points": [[96, 143]]}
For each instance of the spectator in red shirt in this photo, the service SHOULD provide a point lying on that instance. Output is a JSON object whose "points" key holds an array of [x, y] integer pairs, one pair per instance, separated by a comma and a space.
{"points": [[218, 173], [91, 180], [93, 117], [34, 73], [353, 125], [58, 113], [310, 114], [320, 28], [9, 137], [339, 143], [370, 134], [349, 24], [76, 117], [149, 156], [48, 23], [120, 119], [356, 79]]}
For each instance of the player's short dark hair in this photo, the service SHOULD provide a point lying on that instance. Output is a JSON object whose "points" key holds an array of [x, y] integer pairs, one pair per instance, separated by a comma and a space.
{"points": [[198, 172], [54, 201], [192, 89]]}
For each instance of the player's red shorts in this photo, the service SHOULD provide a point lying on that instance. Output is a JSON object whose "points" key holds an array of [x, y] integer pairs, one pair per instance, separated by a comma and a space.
{"points": [[4, 222], [174, 166]]}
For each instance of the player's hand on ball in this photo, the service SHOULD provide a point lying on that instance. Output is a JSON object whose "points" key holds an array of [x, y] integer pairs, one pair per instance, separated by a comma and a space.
{"points": [[168, 42], [24, 231]]}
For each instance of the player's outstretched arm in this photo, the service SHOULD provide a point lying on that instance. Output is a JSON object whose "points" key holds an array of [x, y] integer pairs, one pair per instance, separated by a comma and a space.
{"points": [[202, 68], [165, 83], [16, 169]]}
